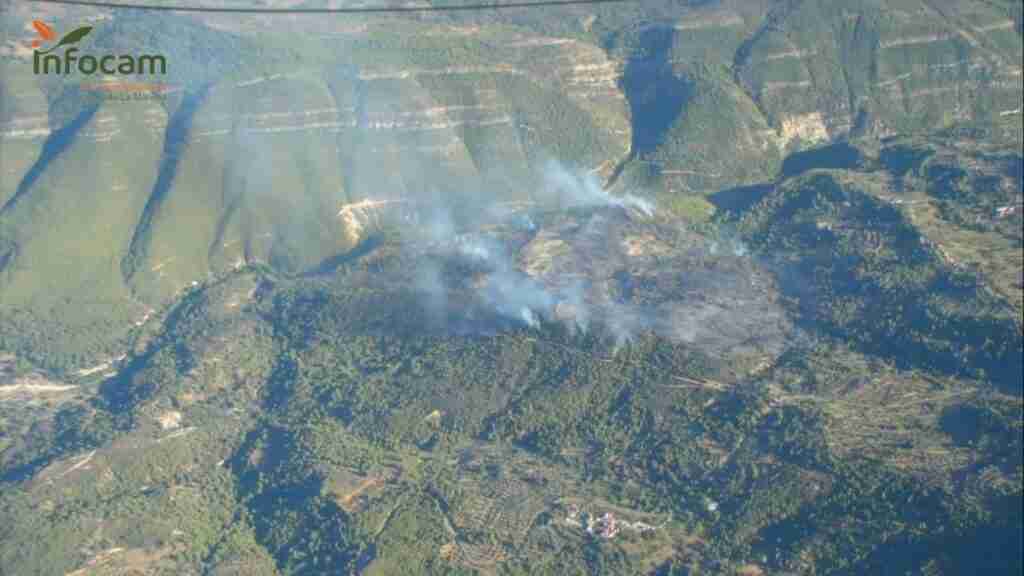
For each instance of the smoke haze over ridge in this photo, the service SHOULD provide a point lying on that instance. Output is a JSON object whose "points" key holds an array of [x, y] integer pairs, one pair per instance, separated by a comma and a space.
{"points": [[573, 260]]}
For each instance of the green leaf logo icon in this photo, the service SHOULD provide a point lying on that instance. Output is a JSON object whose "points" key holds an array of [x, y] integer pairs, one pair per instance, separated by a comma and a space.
{"points": [[71, 37]]}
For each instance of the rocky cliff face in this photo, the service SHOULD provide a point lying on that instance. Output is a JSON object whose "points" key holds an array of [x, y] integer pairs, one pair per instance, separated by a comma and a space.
{"points": [[266, 135], [763, 81]]}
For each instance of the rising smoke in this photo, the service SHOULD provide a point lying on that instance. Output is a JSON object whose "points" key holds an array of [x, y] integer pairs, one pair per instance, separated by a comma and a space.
{"points": [[508, 291], [574, 190], [578, 270]]}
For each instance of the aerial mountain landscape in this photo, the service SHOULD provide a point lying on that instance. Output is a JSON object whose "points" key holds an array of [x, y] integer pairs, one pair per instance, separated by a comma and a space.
{"points": [[653, 287]]}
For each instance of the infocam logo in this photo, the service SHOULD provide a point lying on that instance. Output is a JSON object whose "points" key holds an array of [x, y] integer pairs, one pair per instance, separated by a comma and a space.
{"points": [[52, 61]]}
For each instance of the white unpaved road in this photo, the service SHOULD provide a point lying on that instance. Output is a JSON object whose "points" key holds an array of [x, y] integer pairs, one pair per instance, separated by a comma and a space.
{"points": [[12, 389], [85, 460]]}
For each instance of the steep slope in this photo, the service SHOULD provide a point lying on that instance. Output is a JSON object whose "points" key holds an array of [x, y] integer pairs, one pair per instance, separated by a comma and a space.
{"points": [[274, 142], [862, 271], [283, 426], [69, 217], [794, 75], [254, 166]]}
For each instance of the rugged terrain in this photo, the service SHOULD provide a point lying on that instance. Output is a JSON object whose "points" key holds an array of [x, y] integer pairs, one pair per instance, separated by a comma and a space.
{"points": [[654, 288], [273, 123]]}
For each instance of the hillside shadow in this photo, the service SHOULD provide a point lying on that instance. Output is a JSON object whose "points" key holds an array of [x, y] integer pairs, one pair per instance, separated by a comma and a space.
{"points": [[175, 140], [330, 265], [656, 95], [741, 198], [56, 143], [838, 156]]}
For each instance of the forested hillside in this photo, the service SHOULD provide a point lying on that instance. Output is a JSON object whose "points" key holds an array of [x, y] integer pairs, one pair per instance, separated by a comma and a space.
{"points": [[653, 288]]}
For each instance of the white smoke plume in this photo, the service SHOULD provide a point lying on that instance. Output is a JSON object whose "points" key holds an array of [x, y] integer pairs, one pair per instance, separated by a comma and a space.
{"points": [[506, 290], [582, 272], [574, 190]]}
